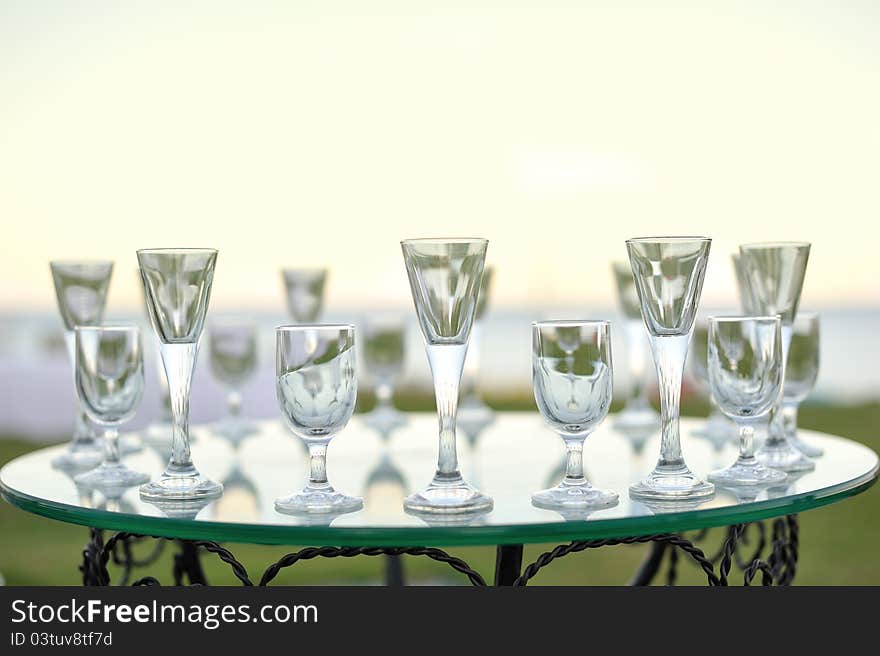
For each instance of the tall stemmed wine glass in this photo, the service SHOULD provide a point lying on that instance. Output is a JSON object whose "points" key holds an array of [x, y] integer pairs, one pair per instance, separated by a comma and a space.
{"points": [[573, 393], [637, 412], [81, 290], [444, 277], [304, 291], [177, 283], [669, 275], [776, 273], [110, 384], [745, 374], [801, 371], [316, 386]]}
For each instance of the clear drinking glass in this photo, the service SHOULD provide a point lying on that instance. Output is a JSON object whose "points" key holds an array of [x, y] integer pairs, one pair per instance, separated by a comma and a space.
{"points": [[316, 387], [637, 411], [444, 277], [158, 434], [801, 371], [232, 347], [81, 290], [472, 408], [718, 429], [110, 384], [743, 287], [669, 275], [745, 373], [572, 381], [304, 291], [384, 353], [775, 272], [177, 283]]}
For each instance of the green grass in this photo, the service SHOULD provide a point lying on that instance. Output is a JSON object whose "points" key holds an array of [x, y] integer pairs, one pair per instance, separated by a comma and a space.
{"points": [[838, 542]]}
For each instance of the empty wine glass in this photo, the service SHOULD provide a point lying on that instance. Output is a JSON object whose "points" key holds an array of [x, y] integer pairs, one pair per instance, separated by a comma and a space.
{"points": [[801, 371], [304, 291], [572, 381], [316, 387], [233, 357], [81, 290], [177, 283], [775, 273], [637, 411], [444, 278], [384, 340], [472, 408], [110, 384], [158, 434], [669, 275], [745, 373], [743, 286]]}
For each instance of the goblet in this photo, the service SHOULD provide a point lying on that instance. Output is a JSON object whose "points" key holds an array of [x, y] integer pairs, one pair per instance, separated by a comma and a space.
{"points": [[81, 291], [233, 356], [801, 371], [316, 387], [745, 374], [304, 291], [444, 278], [471, 405], [669, 275], [177, 284], [717, 428], [572, 380], [110, 384], [384, 339], [637, 411], [776, 273]]}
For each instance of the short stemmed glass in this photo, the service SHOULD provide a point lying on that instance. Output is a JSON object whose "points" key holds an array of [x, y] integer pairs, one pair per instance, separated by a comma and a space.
{"points": [[110, 384], [801, 371], [637, 411], [177, 283], [776, 273], [233, 356], [718, 427], [444, 278], [572, 388], [745, 374], [316, 385], [384, 352], [471, 405], [304, 291], [81, 290], [669, 275]]}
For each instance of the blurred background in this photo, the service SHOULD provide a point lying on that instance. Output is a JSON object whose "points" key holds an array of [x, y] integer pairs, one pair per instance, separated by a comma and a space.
{"points": [[319, 134]]}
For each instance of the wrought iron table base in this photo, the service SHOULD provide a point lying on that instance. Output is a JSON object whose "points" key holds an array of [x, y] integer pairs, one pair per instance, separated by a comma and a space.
{"points": [[778, 569]]}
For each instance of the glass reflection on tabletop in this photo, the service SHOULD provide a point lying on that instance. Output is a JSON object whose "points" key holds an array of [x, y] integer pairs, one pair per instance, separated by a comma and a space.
{"points": [[384, 340], [181, 509]]}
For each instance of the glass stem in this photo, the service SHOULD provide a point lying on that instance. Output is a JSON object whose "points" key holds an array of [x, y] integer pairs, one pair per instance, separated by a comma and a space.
{"points": [[384, 394], [574, 464], [789, 419], [746, 442], [670, 352], [318, 465], [447, 361], [776, 432], [179, 361], [233, 403], [111, 446]]}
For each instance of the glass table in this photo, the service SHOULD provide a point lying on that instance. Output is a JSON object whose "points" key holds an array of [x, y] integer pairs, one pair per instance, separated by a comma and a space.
{"points": [[509, 457]]}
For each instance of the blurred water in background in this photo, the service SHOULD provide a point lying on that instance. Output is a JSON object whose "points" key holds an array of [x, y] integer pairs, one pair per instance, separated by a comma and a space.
{"points": [[38, 396]]}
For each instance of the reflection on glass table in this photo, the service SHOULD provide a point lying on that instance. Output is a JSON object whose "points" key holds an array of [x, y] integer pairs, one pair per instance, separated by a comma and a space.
{"points": [[516, 456]]}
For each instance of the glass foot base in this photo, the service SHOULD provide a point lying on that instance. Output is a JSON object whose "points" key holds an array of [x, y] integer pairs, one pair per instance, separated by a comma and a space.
{"points": [[571, 497], [110, 477], [784, 457], [442, 497], [807, 449], [747, 471], [676, 483], [325, 501], [181, 487]]}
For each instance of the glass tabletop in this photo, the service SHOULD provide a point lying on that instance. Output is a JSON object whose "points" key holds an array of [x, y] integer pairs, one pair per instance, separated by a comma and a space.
{"points": [[509, 458]]}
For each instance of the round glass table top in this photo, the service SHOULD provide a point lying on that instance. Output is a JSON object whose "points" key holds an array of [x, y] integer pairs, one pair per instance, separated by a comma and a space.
{"points": [[508, 457]]}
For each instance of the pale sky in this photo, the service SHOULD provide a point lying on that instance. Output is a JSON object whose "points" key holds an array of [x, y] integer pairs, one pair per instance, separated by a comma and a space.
{"points": [[321, 133]]}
